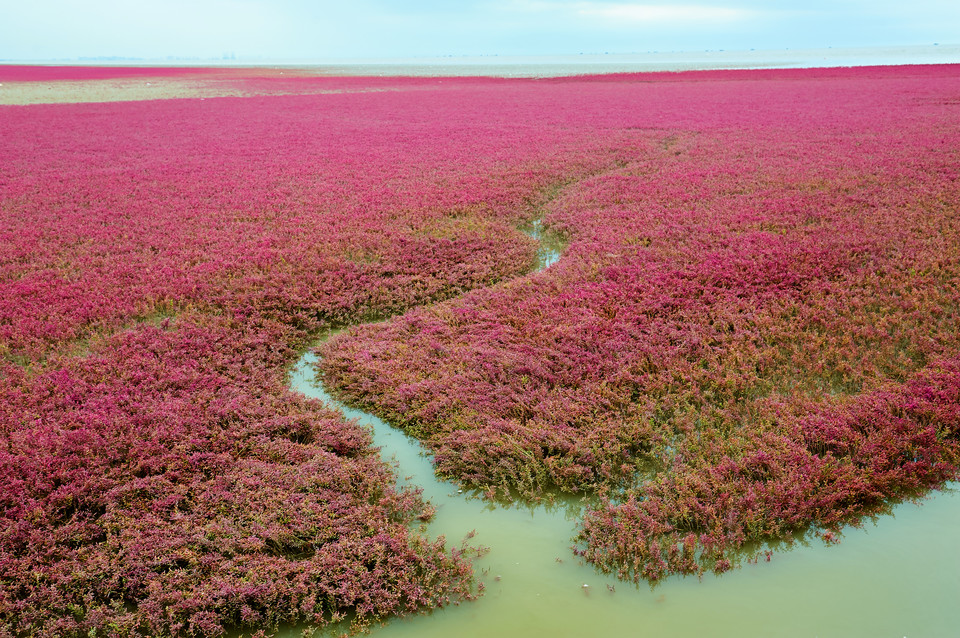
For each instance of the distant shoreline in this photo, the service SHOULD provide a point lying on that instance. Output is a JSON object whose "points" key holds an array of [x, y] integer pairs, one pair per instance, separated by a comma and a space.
{"points": [[564, 65]]}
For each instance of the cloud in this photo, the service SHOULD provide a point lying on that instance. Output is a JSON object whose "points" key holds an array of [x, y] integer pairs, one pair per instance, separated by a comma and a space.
{"points": [[660, 13], [88, 28], [632, 12]]}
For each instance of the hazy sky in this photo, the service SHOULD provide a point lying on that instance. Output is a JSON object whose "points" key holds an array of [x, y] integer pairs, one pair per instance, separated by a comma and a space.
{"points": [[324, 30]]}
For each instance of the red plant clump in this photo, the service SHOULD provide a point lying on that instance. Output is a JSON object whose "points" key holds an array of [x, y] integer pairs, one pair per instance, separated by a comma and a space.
{"points": [[161, 265], [755, 327], [170, 485]]}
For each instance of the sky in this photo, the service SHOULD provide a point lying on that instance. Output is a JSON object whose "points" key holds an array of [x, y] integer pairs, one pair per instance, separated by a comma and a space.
{"points": [[323, 30]]}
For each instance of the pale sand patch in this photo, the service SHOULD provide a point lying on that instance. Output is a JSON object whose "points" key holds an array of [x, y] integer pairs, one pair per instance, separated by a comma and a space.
{"points": [[132, 90], [114, 90]]}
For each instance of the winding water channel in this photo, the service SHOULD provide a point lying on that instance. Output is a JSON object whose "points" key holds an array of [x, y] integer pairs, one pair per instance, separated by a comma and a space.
{"points": [[897, 576]]}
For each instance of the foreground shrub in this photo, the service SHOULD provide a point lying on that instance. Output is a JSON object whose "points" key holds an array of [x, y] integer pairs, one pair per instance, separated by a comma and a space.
{"points": [[162, 264], [735, 344]]}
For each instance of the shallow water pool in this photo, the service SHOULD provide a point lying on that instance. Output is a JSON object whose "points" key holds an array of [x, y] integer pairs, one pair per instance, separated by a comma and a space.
{"points": [[897, 576]]}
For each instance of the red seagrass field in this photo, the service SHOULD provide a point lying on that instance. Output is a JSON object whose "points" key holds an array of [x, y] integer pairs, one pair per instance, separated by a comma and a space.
{"points": [[753, 330]]}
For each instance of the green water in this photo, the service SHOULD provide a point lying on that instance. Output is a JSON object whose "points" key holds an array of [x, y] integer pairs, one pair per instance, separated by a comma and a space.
{"points": [[898, 576]]}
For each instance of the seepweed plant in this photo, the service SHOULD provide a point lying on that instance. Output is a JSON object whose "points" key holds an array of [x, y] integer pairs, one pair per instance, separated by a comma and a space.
{"points": [[157, 477], [753, 330]]}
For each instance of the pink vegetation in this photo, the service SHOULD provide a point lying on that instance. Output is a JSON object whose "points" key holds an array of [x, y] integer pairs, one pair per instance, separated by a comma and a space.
{"points": [[754, 328], [162, 263]]}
